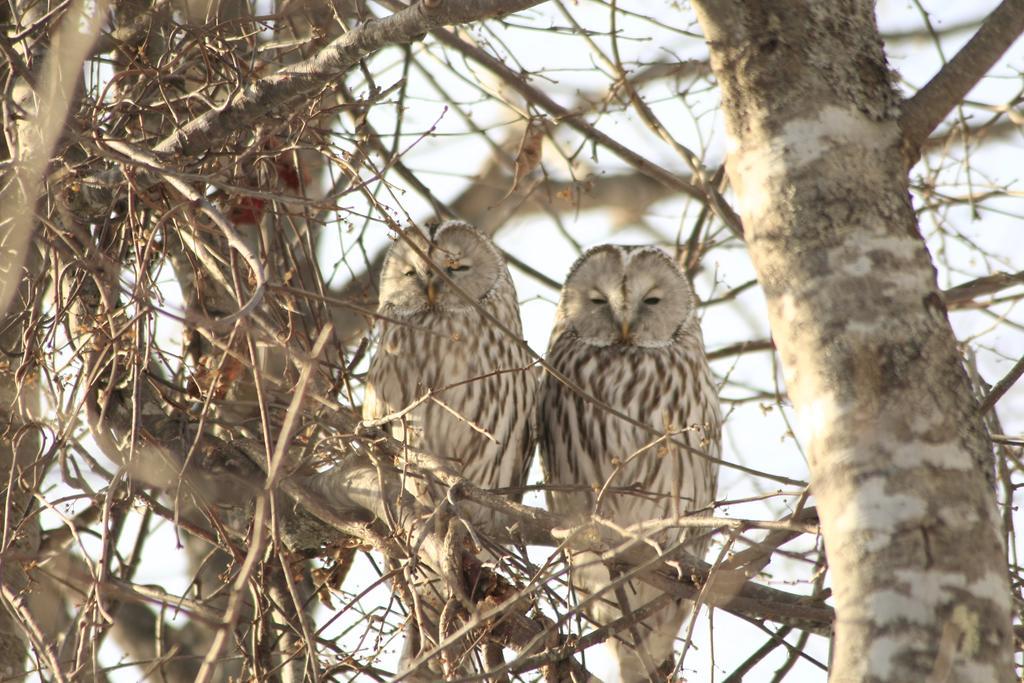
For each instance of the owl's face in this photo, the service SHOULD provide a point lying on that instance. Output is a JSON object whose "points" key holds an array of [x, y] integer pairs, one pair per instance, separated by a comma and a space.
{"points": [[409, 285], [625, 295]]}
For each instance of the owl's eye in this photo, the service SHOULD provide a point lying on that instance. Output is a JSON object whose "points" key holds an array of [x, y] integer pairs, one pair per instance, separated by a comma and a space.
{"points": [[598, 300], [652, 300], [409, 273], [458, 268]]}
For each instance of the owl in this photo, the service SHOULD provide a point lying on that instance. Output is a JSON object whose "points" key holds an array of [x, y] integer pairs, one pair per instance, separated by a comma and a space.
{"points": [[462, 389], [470, 382], [626, 333]]}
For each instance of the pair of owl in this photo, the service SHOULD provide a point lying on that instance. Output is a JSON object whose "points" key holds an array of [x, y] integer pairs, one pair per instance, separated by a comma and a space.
{"points": [[625, 416]]}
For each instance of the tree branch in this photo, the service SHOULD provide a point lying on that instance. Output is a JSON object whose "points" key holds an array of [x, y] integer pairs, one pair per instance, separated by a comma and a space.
{"points": [[362, 499], [962, 295], [923, 112], [285, 89], [1002, 386], [575, 120]]}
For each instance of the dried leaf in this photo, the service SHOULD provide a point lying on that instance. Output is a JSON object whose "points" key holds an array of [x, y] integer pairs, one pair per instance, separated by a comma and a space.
{"points": [[218, 380], [531, 150]]}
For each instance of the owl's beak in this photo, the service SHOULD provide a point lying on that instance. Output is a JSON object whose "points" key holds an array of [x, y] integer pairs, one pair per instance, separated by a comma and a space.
{"points": [[624, 328], [432, 291]]}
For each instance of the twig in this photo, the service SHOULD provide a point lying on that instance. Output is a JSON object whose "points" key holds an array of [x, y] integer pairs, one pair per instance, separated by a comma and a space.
{"points": [[234, 240], [956, 297], [773, 643], [741, 348], [16, 606], [923, 112], [282, 90], [560, 113], [1002, 386]]}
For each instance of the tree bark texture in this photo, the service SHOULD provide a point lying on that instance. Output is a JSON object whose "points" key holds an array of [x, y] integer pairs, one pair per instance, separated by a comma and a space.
{"points": [[19, 383], [898, 452], [19, 443]]}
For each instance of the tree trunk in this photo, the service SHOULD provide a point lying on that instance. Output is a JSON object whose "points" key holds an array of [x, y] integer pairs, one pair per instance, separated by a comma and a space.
{"points": [[19, 389], [898, 452], [19, 530]]}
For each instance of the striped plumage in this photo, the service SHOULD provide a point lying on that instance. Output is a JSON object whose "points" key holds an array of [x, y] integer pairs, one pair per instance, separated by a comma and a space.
{"points": [[479, 375], [627, 334], [435, 339]]}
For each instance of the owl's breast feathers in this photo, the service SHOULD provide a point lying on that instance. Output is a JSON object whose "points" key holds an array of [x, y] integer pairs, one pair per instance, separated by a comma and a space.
{"points": [[668, 390], [477, 416]]}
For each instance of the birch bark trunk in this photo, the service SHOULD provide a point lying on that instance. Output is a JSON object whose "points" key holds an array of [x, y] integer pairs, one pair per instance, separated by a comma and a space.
{"points": [[898, 452]]}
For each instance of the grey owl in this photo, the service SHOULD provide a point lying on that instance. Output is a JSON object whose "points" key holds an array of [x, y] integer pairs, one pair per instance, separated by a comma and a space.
{"points": [[478, 418], [626, 332]]}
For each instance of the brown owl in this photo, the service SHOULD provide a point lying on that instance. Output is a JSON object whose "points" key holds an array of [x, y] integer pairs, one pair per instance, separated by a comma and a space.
{"points": [[626, 333]]}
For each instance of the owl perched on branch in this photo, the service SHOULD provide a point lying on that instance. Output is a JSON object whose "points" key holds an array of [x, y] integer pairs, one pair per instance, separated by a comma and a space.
{"points": [[469, 382], [626, 333], [460, 389]]}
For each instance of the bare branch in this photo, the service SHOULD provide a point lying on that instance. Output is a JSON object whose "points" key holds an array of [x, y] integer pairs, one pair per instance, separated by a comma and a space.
{"points": [[281, 91], [1002, 386], [962, 295], [561, 114], [923, 112]]}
